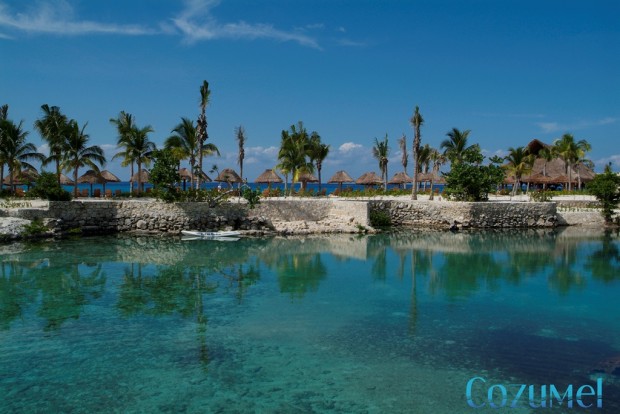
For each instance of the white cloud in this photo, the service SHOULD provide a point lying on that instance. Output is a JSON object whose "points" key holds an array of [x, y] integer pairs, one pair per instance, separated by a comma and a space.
{"points": [[349, 147], [613, 159], [550, 127], [256, 155], [499, 153], [58, 18], [350, 43], [196, 22]]}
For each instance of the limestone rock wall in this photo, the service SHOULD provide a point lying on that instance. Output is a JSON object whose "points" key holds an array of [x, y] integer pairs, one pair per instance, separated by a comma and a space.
{"points": [[477, 215], [151, 216]]}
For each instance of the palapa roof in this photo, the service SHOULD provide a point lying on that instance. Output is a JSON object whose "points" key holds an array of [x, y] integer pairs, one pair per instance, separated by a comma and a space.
{"points": [[186, 174], [538, 179], [268, 176], [308, 178], [228, 175], [144, 175], [341, 177], [91, 177], [557, 167], [22, 177], [369, 178], [109, 177], [64, 180], [400, 178], [428, 177]]}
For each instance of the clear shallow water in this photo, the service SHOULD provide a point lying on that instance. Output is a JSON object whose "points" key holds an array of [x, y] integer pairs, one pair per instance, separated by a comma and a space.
{"points": [[388, 323]]}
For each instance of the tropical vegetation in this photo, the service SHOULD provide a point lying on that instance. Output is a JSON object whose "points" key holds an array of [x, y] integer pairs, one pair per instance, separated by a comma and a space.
{"points": [[381, 151], [606, 188], [416, 122]]}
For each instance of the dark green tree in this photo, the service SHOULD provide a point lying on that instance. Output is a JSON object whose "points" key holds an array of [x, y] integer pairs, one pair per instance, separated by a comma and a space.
{"points": [[468, 180], [605, 188], [165, 174]]}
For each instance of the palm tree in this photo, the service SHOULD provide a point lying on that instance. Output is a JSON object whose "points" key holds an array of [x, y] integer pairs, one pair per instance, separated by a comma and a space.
{"points": [[455, 147], [519, 163], [240, 134], [424, 160], [547, 154], [318, 152], [402, 144], [184, 144], [571, 152], [53, 129], [125, 124], [201, 131], [142, 148], [438, 159], [15, 151], [416, 122], [381, 151], [78, 154], [4, 112], [294, 151]]}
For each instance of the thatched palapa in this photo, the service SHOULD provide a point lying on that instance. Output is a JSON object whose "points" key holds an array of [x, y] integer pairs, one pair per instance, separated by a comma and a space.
{"points": [[400, 178], [268, 176], [340, 177], [228, 175], [369, 178]]}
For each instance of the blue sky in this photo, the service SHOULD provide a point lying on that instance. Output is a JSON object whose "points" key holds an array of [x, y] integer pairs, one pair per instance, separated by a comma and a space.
{"points": [[509, 71]]}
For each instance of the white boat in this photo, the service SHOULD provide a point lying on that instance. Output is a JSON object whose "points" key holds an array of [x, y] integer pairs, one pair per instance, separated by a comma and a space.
{"points": [[224, 239], [211, 234]]}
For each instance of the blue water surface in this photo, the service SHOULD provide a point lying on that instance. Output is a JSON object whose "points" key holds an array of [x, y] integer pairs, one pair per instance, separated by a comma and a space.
{"points": [[392, 323]]}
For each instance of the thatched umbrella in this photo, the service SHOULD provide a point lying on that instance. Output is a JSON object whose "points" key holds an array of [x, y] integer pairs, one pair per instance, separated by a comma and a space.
{"points": [[144, 176], [108, 177], [24, 177], [305, 178], [91, 177], [561, 179], [401, 178], [369, 178], [64, 180], [185, 175], [268, 176], [228, 175], [340, 177]]}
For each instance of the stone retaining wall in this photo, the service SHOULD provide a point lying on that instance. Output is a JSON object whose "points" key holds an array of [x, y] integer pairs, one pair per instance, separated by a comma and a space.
{"points": [[293, 216], [478, 215]]}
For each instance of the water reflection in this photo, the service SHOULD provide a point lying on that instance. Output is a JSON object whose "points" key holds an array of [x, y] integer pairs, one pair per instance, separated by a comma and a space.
{"points": [[167, 276]]}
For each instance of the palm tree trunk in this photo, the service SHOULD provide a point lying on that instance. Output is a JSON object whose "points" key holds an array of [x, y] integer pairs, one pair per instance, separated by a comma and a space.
{"points": [[75, 177], [139, 176], [431, 196], [58, 170]]}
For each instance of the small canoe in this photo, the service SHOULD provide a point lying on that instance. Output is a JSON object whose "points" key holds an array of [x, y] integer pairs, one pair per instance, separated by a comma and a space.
{"points": [[225, 239], [210, 234]]}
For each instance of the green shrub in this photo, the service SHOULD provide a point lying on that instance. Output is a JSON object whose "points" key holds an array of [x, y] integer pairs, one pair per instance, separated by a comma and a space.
{"points": [[252, 196], [540, 195], [46, 186], [379, 218], [605, 188], [35, 228]]}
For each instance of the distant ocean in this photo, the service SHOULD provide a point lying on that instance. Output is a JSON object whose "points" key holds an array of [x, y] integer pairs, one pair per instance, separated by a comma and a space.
{"points": [[124, 186]]}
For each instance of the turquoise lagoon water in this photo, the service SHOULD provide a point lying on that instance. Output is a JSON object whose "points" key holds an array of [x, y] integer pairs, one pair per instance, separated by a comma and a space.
{"points": [[392, 323]]}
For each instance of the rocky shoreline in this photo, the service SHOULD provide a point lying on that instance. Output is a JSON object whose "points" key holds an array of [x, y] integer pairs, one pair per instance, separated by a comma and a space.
{"points": [[285, 216]]}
